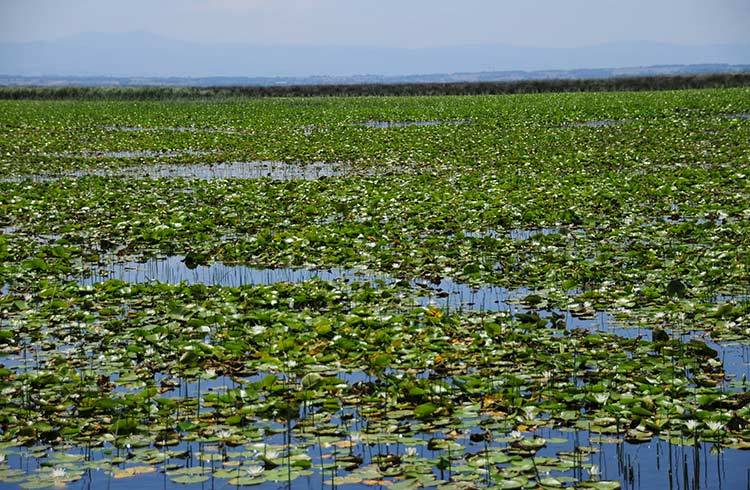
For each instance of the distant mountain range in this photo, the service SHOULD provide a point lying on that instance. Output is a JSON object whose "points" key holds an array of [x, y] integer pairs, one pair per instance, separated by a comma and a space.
{"points": [[147, 56]]}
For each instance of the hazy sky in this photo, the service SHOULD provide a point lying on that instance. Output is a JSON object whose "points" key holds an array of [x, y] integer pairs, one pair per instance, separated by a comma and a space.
{"points": [[403, 23]]}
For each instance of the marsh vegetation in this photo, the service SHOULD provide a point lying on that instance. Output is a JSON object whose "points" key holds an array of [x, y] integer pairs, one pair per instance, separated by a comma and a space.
{"points": [[554, 295]]}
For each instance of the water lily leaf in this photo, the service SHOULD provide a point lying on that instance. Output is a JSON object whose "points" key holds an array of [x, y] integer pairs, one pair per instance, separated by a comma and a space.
{"points": [[124, 427], [189, 479], [424, 411], [132, 471], [377, 483], [676, 288], [551, 482], [512, 484], [246, 481]]}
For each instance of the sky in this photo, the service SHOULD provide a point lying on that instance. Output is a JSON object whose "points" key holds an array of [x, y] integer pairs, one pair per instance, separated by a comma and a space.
{"points": [[391, 23]]}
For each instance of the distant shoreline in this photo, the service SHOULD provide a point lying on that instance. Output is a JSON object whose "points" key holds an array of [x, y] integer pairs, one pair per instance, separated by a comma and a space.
{"points": [[613, 84]]}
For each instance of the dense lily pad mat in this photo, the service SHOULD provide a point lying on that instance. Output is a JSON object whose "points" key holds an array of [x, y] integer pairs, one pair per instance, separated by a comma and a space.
{"points": [[660, 127], [643, 221], [622, 256]]}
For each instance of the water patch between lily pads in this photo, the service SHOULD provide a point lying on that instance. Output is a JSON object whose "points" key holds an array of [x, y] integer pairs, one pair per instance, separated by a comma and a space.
{"points": [[405, 124], [174, 270], [446, 293], [234, 170], [518, 234], [174, 129], [212, 171]]}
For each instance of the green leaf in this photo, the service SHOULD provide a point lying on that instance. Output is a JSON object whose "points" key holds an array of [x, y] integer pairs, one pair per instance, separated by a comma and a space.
{"points": [[424, 411]]}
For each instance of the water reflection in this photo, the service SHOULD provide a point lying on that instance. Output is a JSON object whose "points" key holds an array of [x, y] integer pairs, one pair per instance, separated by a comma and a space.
{"points": [[447, 293], [655, 464]]}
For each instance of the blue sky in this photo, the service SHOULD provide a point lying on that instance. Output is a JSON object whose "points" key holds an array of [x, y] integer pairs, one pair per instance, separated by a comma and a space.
{"points": [[397, 23]]}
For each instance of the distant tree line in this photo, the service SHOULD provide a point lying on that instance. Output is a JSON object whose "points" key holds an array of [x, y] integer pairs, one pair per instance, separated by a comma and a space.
{"points": [[715, 80]]}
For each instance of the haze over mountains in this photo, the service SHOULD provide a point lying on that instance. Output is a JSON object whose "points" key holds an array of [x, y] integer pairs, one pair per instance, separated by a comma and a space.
{"points": [[140, 54]]}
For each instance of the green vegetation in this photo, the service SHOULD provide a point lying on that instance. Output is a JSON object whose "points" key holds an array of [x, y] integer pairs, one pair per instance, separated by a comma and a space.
{"points": [[639, 83], [629, 209]]}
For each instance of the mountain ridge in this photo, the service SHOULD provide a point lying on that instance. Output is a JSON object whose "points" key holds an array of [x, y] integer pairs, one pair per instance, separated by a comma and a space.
{"points": [[143, 54]]}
